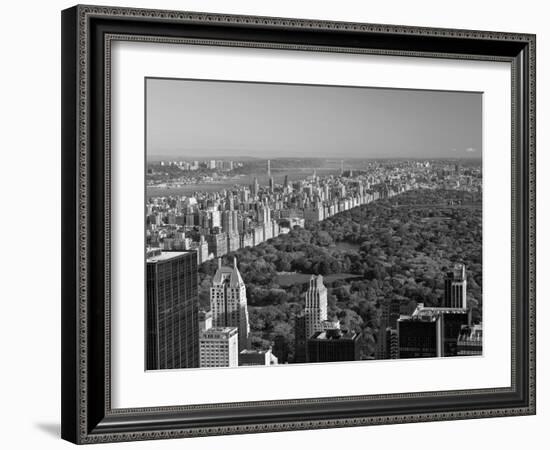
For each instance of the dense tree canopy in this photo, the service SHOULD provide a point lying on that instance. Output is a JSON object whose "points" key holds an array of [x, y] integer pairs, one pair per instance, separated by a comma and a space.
{"points": [[397, 248]]}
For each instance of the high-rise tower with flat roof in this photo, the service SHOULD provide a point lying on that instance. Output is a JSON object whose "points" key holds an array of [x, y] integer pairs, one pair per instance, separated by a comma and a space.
{"points": [[172, 310], [219, 347]]}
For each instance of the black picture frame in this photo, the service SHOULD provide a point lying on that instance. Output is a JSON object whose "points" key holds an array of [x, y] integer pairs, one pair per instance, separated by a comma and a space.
{"points": [[87, 416]]}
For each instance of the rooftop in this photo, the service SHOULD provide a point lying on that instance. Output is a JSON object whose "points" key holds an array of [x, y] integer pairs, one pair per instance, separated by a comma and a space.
{"points": [[430, 314], [219, 332], [229, 274], [156, 255], [254, 352], [335, 334]]}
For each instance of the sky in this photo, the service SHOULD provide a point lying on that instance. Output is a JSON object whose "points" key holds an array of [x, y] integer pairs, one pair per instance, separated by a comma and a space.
{"points": [[201, 119]]}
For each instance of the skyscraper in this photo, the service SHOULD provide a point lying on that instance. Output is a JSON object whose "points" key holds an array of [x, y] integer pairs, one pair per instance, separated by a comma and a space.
{"points": [[333, 345], [419, 337], [391, 310], [228, 301], [217, 243], [235, 222], [453, 319], [430, 332], [255, 187], [268, 168], [202, 250], [455, 288], [316, 305], [172, 310], [227, 221], [219, 347], [300, 339]]}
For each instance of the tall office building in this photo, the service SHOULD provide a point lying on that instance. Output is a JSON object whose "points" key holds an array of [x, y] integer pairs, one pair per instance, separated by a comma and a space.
{"points": [[172, 310], [300, 339], [217, 243], [235, 222], [202, 250], [233, 242], [264, 213], [453, 319], [219, 347], [430, 332], [333, 345], [419, 336], [228, 301], [455, 288], [391, 310], [382, 351], [395, 308], [316, 305], [227, 221], [255, 187], [301, 336]]}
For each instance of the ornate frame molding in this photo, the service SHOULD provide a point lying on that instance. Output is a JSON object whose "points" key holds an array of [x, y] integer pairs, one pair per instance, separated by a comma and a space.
{"points": [[80, 423]]}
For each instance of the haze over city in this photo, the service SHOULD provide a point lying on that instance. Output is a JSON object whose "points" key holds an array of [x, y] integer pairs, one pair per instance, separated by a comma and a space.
{"points": [[201, 119]]}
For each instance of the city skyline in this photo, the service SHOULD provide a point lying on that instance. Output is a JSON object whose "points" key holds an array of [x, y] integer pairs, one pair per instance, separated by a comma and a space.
{"points": [[189, 118], [325, 223], [294, 230], [203, 158]]}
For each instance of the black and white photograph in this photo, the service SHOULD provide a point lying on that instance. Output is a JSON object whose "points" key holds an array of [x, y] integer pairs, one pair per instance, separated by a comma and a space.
{"points": [[302, 224], [278, 221]]}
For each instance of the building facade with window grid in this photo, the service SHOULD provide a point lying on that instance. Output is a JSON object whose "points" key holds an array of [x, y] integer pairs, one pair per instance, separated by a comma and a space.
{"points": [[219, 347], [172, 310]]}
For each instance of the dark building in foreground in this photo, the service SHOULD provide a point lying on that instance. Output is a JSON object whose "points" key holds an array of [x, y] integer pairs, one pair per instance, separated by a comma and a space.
{"points": [[249, 357], [430, 332], [418, 338], [333, 345], [172, 310], [470, 340], [281, 349], [300, 339], [453, 319], [386, 340]]}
